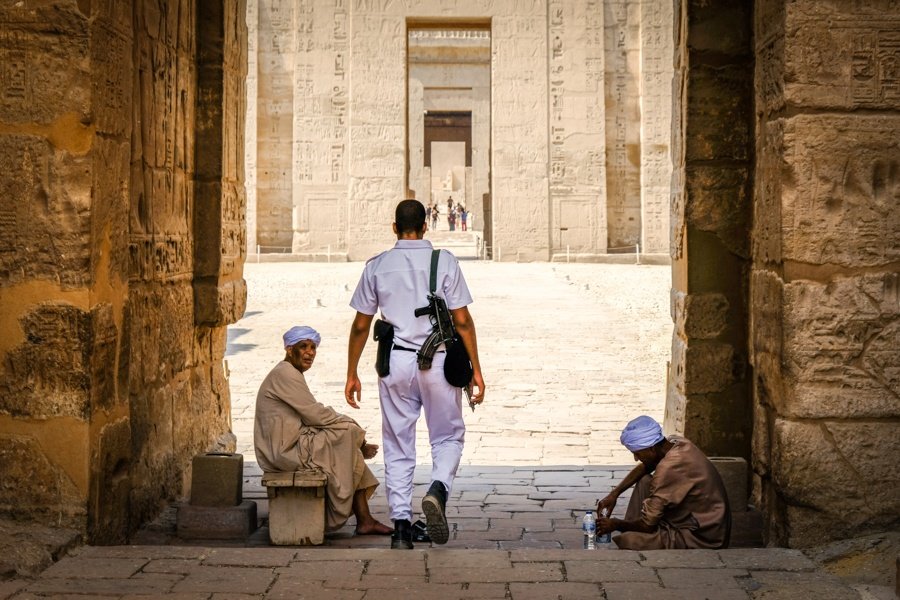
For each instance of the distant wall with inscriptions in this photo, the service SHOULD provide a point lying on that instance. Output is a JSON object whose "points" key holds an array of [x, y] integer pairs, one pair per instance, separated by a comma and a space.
{"points": [[561, 146], [122, 239]]}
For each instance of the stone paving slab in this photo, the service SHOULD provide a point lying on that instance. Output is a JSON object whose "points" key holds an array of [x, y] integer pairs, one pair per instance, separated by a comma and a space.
{"points": [[367, 574]]}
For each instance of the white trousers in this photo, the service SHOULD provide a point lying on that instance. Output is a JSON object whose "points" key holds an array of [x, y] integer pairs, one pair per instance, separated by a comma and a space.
{"points": [[404, 393]]}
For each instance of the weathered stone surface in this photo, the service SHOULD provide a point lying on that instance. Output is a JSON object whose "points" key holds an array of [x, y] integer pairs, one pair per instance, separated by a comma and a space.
{"points": [[719, 113], [840, 348], [217, 479], [217, 522], [703, 366], [44, 49], [718, 201], [733, 471], [44, 218], [108, 520], [837, 479], [49, 374], [840, 178], [841, 55], [33, 484], [699, 316]]}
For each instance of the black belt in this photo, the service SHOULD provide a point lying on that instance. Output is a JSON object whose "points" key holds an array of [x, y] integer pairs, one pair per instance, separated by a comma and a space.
{"points": [[396, 347]]}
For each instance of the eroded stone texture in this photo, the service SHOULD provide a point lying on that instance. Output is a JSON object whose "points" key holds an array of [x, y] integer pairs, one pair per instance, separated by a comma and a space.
{"points": [[841, 179], [825, 289], [837, 478], [50, 374], [35, 485], [121, 247]]}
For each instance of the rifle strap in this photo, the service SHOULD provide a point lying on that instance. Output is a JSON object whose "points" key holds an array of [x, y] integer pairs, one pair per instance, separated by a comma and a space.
{"points": [[435, 256]]}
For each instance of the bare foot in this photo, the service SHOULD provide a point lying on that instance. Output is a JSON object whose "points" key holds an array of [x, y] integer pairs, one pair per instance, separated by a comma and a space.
{"points": [[373, 528]]}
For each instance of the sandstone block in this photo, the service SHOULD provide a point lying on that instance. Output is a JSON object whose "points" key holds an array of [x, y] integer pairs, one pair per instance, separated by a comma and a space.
{"points": [[837, 479], [840, 347], [718, 109], [35, 486], [296, 507], [702, 367], [216, 522], [699, 316], [838, 190], [718, 200], [49, 374], [832, 62], [217, 479], [733, 470]]}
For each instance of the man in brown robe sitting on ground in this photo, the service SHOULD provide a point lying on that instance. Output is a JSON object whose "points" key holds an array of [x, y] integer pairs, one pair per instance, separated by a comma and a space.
{"points": [[292, 431], [679, 500]]}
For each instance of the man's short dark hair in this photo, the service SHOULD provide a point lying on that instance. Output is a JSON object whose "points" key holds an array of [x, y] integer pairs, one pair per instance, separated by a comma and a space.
{"points": [[409, 216]]}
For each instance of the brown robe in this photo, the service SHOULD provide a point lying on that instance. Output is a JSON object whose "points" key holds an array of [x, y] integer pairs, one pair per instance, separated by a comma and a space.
{"points": [[684, 499], [292, 431]]}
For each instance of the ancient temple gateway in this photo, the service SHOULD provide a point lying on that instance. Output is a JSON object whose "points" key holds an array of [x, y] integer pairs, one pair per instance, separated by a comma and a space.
{"points": [[123, 232], [549, 120]]}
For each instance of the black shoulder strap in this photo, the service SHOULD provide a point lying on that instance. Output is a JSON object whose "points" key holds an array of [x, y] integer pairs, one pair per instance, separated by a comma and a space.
{"points": [[435, 256]]}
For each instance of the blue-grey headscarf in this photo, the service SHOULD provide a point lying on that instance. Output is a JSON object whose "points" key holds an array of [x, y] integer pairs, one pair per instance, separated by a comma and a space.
{"points": [[641, 433], [298, 333]]}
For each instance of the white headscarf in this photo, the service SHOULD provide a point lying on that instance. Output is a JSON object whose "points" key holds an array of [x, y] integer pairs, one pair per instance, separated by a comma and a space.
{"points": [[298, 333], [641, 433]]}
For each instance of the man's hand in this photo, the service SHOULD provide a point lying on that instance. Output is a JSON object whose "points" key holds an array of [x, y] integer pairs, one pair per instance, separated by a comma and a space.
{"points": [[353, 391], [605, 525], [369, 450], [477, 382], [608, 503]]}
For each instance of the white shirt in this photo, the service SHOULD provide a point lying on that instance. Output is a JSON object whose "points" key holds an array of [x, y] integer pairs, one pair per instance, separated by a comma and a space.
{"points": [[397, 281]]}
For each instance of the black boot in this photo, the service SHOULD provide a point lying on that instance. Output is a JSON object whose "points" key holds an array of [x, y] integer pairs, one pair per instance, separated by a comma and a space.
{"points": [[401, 539], [434, 505]]}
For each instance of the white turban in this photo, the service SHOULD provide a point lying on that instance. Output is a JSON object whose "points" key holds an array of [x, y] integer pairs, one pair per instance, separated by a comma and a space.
{"points": [[641, 433], [298, 333]]}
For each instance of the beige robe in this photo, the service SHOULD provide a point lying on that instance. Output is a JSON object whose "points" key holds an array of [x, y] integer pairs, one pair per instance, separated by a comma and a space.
{"points": [[292, 431], [684, 498]]}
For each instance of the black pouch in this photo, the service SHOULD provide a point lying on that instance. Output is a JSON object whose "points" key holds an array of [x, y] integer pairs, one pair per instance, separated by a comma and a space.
{"points": [[383, 333], [457, 366]]}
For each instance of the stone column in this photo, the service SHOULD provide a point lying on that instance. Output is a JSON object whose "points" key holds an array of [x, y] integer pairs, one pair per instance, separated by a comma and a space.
{"points": [[656, 124], [275, 124], [577, 127], [250, 125], [825, 302], [709, 382], [622, 63], [520, 144]]}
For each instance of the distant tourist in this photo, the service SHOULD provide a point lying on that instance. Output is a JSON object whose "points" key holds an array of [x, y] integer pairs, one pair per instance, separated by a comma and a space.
{"points": [[463, 217], [451, 219], [292, 431], [435, 214], [679, 499]]}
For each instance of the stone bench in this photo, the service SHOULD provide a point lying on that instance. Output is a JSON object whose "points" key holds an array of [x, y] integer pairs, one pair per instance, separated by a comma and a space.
{"points": [[296, 507]]}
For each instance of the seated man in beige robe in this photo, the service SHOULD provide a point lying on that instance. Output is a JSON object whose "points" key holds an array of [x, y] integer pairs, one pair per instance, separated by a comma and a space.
{"points": [[679, 500], [292, 431]]}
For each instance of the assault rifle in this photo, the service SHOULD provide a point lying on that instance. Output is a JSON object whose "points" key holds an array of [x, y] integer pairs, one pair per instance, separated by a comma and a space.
{"points": [[442, 330]]}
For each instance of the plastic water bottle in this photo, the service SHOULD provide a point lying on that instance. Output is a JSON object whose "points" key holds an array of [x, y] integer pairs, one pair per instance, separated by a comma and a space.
{"points": [[604, 538], [589, 528]]}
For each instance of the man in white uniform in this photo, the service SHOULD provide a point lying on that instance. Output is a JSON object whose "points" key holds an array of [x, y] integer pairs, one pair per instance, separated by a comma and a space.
{"points": [[397, 282]]}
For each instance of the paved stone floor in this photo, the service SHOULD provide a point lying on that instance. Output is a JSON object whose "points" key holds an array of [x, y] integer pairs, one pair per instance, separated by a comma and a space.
{"points": [[570, 353]]}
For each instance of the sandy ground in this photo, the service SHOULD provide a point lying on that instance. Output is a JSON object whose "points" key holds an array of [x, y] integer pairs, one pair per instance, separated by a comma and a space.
{"points": [[570, 353]]}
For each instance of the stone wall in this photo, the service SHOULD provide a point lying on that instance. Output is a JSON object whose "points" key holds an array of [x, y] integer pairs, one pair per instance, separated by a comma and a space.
{"points": [[825, 286], [121, 244], [559, 116], [709, 377]]}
